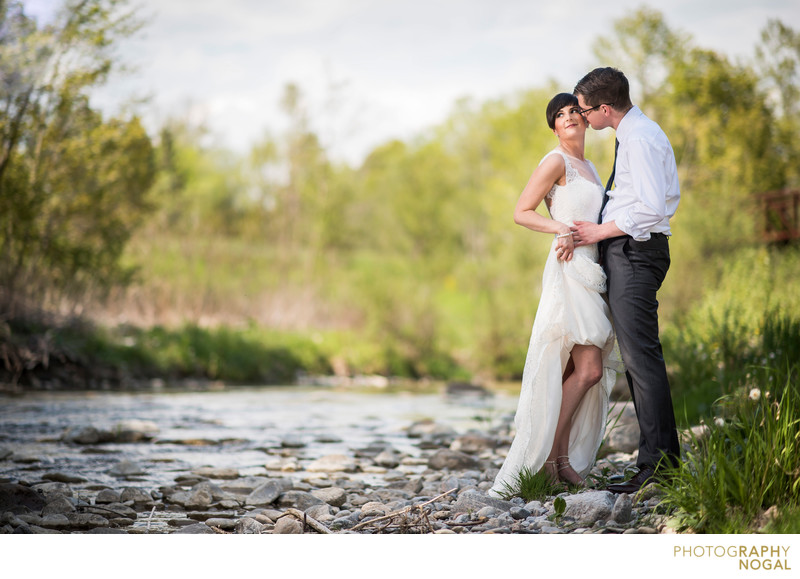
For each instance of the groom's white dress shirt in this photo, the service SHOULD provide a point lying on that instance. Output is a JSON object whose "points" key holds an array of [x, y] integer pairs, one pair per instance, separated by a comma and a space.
{"points": [[646, 191]]}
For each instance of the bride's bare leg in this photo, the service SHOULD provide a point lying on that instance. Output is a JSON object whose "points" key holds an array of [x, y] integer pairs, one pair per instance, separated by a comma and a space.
{"points": [[587, 370]]}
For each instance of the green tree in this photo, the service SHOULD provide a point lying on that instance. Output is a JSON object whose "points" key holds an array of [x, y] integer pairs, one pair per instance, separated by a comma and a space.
{"points": [[644, 48], [778, 60], [72, 185]]}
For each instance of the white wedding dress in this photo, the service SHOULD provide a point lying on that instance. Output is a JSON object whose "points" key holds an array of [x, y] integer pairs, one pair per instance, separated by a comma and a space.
{"points": [[571, 311]]}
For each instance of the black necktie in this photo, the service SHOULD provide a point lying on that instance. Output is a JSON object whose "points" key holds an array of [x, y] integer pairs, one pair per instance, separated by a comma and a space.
{"points": [[610, 182]]}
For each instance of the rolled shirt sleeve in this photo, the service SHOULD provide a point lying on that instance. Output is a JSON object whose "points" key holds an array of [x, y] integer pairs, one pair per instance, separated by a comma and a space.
{"points": [[646, 191]]}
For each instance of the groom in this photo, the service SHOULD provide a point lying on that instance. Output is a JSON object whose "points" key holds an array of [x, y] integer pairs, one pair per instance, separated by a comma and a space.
{"points": [[633, 236]]}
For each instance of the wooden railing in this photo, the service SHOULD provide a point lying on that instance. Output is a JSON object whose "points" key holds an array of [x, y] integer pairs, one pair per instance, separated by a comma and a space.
{"points": [[781, 210]]}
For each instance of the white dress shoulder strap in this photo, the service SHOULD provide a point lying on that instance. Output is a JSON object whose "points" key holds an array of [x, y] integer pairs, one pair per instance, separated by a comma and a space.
{"points": [[569, 170]]}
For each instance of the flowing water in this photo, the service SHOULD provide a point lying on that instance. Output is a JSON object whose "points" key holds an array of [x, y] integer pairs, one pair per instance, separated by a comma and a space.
{"points": [[227, 427]]}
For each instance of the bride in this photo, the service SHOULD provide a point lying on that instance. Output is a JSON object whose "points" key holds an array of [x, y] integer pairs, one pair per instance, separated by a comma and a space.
{"points": [[569, 370]]}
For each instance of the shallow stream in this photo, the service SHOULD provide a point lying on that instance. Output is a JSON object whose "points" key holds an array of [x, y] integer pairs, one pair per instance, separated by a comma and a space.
{"points": [[242, 428]]}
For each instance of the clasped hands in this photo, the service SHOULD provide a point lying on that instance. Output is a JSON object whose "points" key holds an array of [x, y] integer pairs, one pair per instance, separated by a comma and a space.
{"points": [[580, 234]]}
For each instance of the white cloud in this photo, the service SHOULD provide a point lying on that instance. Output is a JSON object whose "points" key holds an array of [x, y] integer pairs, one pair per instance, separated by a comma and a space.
{"points": [[403, 62]]}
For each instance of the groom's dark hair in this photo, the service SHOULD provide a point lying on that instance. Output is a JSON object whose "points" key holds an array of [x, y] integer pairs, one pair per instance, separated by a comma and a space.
{"points": [[558, 102], [605, 86]]}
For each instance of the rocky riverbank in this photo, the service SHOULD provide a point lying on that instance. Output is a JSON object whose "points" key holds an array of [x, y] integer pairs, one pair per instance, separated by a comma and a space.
{"points": [[372, 488]]}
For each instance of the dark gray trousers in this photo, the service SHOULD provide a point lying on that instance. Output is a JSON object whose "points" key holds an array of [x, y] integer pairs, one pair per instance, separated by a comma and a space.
{"points": [[635, 271]]}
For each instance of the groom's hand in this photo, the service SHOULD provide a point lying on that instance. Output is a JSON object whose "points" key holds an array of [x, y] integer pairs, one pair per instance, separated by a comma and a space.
{"points": [[585, 233]]}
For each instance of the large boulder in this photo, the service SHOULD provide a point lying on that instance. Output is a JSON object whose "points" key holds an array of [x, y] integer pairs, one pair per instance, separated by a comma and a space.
{"points": [[20, 499], [589, 507]]}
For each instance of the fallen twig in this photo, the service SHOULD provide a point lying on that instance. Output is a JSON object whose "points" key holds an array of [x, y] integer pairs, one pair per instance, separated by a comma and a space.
{"points": [[310, 521], [403, 511], [150, 518]]}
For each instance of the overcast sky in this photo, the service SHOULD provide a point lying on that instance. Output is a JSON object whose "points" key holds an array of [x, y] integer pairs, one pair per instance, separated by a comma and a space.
{"points": [[379, 69]]}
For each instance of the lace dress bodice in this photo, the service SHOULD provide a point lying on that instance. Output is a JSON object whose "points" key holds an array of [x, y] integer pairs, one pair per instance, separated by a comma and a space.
{"points": [[580, 199]]}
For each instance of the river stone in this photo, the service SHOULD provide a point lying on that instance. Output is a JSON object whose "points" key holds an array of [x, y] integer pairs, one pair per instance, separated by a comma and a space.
{"points": [[190, 479], [217, 493], [386, 495], [179, 497], [85, 435], [292, 441], [86, 520], [374, 509], [334, 496], [450, 484], [589, 507], [134, 430], [248, 526], [59, 505], [300, 500], [137, 496], [288, 526], [519, 513], [472, 443], [472, 501], [107, 496], [536, 508], [125, 468], [195, 529], [28, 518], [623, 433], [428, 427], [333, 463], [246, 485], [488, 512], [199, 499], [20, 499], [322, 513], [185, 522], [53, 489], [58, 521], [387, 458], [64, 477], [36, 530], [223, 524], [118, 510], [622, 438], [622, 511], [216, 473], [267, 493], [452, 460]]}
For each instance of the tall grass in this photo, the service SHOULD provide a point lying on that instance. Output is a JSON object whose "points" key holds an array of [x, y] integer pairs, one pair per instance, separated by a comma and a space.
{"points": [[531, 486], [748, 461]]}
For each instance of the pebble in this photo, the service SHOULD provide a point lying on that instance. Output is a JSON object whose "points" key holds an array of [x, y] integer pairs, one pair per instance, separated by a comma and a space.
{"points": [[448, 478]]}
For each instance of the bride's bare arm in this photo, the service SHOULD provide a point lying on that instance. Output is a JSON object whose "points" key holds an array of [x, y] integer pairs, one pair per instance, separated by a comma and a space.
{"points": [[539, 185]]}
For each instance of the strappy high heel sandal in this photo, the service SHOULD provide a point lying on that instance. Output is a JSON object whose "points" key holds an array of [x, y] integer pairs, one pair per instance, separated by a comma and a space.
{"points": [[564, 465], [552, 474]]}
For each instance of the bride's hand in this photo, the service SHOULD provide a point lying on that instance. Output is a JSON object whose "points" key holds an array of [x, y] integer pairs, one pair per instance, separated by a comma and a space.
{"points": [[565, 247]]}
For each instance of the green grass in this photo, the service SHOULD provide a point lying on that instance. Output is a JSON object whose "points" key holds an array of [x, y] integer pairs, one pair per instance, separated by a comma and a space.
{"points": [[531, 486], [748, 461], [715, 357]]}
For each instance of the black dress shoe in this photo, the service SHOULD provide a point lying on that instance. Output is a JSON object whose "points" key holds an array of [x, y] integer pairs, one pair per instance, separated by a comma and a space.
{"points": [[645, 476]]}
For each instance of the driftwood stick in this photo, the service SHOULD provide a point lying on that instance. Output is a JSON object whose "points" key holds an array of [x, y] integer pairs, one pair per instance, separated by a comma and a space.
{"points": [[310, 521], [150, 518], [402, 511]]}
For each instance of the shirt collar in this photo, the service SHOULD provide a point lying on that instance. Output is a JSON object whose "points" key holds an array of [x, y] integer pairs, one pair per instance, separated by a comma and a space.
{"points": [[625, 126]]}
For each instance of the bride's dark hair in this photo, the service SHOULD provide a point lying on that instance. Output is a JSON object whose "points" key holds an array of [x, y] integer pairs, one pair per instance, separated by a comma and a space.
{"points": [[558, 102]]}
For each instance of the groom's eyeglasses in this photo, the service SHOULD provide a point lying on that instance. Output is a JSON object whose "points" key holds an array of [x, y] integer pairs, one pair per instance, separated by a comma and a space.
{"points": [[584, 111]]}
